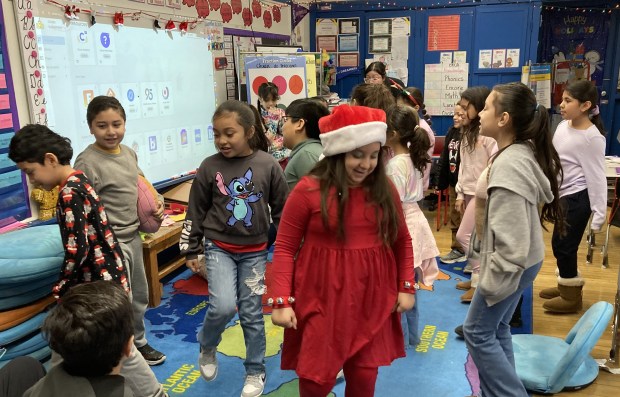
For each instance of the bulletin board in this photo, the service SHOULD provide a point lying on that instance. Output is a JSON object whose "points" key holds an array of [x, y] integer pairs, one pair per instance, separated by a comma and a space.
{"points": [[14, 205]]}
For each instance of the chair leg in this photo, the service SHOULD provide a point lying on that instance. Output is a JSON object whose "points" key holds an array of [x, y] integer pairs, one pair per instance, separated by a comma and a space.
{"points": [[605, 248]]}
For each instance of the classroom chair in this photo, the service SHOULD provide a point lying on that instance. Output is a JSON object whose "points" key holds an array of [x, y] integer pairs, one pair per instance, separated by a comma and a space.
{"points": [[613, 220], [549, 365]]}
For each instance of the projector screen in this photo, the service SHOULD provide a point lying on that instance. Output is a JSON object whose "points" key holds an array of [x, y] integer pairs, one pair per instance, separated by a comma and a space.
{"points": [[164, 80]]}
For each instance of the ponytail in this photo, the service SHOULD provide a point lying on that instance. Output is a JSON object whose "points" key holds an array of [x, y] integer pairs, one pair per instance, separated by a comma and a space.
{"points": [[404, 121], [597, 120]]}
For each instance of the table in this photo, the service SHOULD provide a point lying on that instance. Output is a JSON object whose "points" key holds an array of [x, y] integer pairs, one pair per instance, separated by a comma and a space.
{"points": [[166, 237]]}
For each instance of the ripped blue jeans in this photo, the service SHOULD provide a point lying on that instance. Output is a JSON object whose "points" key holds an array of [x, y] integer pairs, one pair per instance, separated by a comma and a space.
{"points": [[236, 281]]}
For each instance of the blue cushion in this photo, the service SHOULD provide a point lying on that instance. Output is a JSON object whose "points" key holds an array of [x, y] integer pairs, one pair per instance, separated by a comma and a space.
{"points": [[30, 254], [19, 331], [25, 298], [7, 291], [24, 346], [42, 354], [547, 365]]}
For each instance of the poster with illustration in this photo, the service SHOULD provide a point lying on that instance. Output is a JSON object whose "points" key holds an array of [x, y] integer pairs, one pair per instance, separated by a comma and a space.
{"points": [[286, 72]]}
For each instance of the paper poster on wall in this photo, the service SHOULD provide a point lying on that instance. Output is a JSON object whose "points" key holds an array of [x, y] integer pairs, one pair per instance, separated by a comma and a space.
{"points": [[401, 26], [445, 57], [156, 2], [443, 32], [326, 27], [512, 57], [499, 58], [443, 84], [380, 44], [400, 48], [348, 42], [349, 25], [485, 59], [176, 4], [380, 27], [287, 73], [540, 83], [327, 43], [311, 75], [215, 31], [525, 75], [348, 60], [460, 57]]}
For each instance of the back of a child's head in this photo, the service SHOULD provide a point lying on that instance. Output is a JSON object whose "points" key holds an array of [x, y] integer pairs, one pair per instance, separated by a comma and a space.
{"points": [[413, 97], [311, 111], [585, 91], [91, 328], [101, 104], [404, 121], [268, 92], [259, 140], [376, 96], [33, 141], [320, 99]]}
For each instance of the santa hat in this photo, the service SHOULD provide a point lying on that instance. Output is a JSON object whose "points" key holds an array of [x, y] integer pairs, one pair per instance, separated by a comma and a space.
{"points": [[350, 127]]}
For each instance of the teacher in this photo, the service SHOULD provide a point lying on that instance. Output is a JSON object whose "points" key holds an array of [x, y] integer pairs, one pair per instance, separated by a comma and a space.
{"points": [[375, 74]]}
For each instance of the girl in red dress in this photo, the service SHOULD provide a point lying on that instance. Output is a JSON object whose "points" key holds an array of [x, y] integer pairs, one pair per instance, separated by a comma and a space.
{"points": [[340, 294]]}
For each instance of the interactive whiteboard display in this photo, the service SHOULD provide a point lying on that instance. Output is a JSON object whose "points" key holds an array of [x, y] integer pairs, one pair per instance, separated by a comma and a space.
{"points": [[164, 80]]}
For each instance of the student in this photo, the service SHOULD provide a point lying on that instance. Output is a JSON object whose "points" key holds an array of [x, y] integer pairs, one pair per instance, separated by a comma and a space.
{"points": [[475, 152], [523, 175], [301, 134], [372, 96], [267, 105], [580, 142], [449, 163], [259, 139], [412, 96], [229, 207], [375, 73], [113, 169], [92, 251], [339, 296], [93, 348], [410, 143]]}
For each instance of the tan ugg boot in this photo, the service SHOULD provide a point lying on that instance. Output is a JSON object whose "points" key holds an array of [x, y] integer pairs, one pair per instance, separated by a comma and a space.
{"points": [[570, 299], [549, 293], [463, 285]]}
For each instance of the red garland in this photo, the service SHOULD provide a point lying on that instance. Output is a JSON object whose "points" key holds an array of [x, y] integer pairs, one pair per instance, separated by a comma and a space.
{"points": [[202, 7], [169, 26], [189, 3], [246, 14], [226, 12], [215, 4], [256, 8], [183, 26], [277, 15], [236, 6], [119, 19], [267, 19]]}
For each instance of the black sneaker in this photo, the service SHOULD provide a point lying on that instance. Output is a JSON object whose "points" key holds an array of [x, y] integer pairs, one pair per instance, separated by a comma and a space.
{"points": [[459, 332], [151, 356]]}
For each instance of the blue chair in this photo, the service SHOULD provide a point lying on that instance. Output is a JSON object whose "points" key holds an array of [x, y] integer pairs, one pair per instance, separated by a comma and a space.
{"points": [[549, 365]]}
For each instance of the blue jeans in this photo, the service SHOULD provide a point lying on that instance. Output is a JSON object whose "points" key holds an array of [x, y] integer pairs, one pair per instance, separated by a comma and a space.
{"points": [[488, 339], [236, 281]]}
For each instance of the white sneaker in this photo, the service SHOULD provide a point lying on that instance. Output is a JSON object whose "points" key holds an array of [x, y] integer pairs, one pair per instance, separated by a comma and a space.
{"points": [[253, 386], [208, 364]]}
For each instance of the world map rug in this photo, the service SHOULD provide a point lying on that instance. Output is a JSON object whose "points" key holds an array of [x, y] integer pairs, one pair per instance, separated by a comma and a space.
{"points": [[439, 366]]}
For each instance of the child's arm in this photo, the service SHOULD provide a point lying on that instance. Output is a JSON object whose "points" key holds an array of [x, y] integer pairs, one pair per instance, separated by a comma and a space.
{"points": [[403, 252], [278, 193], [593, 165], [74, 234], [200, 202]]}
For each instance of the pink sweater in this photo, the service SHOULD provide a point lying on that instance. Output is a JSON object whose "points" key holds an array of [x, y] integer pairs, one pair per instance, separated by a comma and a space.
{"points": [[472, 165]]}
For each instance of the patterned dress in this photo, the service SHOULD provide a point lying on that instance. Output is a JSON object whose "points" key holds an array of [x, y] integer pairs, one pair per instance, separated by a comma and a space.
{"points": [[92, 251], [273, 121]]}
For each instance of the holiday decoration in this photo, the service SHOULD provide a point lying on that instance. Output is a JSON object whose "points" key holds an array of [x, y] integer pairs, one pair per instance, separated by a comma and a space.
{"points": [[189, 3], [236, 6], [277, 15], [92, 20], [246, 14], [256, 8], [169, 26], [183, 26], [71, 11], [156, 24], [119, 19], [214, 4], [267, 19], [202, 7], [226, 12]]}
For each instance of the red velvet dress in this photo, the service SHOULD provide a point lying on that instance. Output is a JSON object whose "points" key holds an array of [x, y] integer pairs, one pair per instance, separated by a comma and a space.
{"points": [[344, 291]]}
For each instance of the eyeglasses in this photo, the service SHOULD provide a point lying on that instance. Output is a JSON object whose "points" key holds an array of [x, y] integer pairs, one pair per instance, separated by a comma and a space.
{"points": [[373, 79], [286, 118]]}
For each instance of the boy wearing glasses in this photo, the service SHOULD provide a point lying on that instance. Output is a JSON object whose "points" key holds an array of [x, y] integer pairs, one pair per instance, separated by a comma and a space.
{"points": [[300, 130]]}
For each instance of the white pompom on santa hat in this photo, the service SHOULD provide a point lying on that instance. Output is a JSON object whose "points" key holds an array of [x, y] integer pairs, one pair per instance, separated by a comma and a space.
{"points": [[350, 127]]}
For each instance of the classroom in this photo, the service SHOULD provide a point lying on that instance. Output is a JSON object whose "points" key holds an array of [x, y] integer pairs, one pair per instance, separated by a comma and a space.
{"points": [[309, 198]]}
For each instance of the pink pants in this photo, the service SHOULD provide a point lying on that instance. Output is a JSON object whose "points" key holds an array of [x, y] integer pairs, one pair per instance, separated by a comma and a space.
{"points": [[468, 223]]}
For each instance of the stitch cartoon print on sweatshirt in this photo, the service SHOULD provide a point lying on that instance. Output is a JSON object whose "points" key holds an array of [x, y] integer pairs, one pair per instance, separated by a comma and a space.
{"points": [[241, 191]]}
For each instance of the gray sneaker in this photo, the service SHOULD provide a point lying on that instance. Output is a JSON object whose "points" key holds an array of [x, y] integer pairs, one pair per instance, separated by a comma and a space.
{"points": [[253, 386], [468, 269], [453, 256], [208, 363]]}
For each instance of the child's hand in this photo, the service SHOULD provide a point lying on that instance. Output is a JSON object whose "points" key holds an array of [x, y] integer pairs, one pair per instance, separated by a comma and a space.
{"points": [[193, 265], [159, 213], [460, 206], [404, 302], [284, 317]]}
